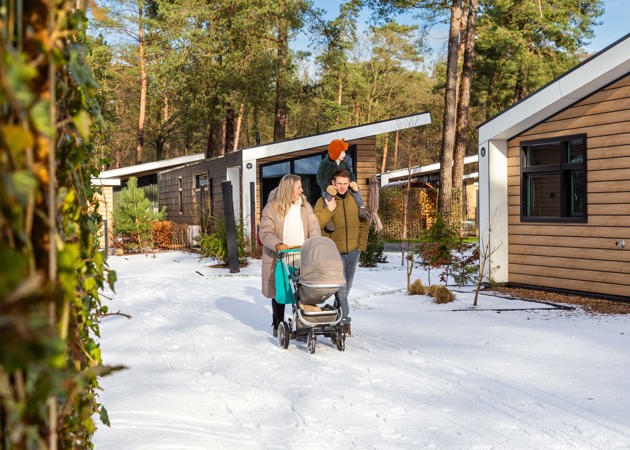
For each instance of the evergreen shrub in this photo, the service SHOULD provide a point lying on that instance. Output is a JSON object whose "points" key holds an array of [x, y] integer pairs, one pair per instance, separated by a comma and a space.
{"points": [[373, 253], [214, 245], [134, 217]]}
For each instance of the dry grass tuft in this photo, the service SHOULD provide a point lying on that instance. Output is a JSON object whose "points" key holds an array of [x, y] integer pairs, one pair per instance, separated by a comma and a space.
{"points": [[440, 293], [416, 288]]}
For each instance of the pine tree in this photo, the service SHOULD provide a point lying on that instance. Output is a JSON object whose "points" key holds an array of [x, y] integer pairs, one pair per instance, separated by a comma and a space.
{"points": [[134, 215], [373, 253]]}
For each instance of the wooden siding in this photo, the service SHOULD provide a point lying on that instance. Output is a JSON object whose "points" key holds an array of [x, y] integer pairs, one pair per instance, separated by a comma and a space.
{"points": [[366, 167], [580, 256], [168, 185], [106, 210]]}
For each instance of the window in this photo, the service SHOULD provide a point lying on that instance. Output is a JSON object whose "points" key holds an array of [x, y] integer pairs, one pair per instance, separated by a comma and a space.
{"points": [[203, 195], [201, 181], [180, 202], [553, 180], [305, 167]]}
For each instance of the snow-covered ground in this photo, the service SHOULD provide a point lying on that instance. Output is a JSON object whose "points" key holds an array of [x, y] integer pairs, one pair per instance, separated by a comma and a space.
{"points": [[204, 371]]}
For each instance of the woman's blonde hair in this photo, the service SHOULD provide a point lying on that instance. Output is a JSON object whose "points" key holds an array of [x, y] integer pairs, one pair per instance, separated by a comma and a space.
{"points": [[283, 196]]}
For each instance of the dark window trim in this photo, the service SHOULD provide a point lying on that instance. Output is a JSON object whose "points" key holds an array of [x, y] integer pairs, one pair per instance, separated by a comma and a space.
{"points": [[563, 168], [180, 202], [352, 152]]}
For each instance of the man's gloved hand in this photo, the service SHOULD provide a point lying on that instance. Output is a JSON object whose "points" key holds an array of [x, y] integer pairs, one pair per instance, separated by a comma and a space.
{"points": [[281, 246], [354, 186], [332, 190]]}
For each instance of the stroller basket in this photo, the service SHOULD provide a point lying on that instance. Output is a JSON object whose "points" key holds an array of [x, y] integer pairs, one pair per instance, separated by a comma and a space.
{"points": [[318, 316]]}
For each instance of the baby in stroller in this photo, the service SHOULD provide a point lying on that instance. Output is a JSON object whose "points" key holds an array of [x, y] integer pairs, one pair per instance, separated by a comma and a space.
{"points": [[320, 276]]}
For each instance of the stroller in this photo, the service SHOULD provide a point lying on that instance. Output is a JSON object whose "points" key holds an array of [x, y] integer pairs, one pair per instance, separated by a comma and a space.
{"points": [[307, 287]]}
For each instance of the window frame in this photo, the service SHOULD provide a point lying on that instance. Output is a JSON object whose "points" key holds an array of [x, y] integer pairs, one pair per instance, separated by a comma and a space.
{"points": [[351, 153], [564, 169]]}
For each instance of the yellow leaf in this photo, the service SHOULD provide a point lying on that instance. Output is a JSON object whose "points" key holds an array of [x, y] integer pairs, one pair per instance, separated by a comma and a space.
{"points": [[16, 138]]}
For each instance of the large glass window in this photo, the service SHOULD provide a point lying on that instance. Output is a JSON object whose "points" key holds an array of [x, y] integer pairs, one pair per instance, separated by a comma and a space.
{"points": [[305, 167], [553, 180]]}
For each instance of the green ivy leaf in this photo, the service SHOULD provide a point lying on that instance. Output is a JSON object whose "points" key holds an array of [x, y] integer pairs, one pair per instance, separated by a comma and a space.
{"points": [[89, 284], [104, 416], [24, 184], [40, 114], [83, 122], [79, 70]]}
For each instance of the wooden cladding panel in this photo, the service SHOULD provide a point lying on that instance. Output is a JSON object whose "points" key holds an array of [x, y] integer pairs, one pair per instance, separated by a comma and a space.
{"points": [[597, 256], [580, 256], [594, 131], [609, 186], [603, 221], [610, 99], [570, 230], [567, 273], [570, 263], [620, 290]]}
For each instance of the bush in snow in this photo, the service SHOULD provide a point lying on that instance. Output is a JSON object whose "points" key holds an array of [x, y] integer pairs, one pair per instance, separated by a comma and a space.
{"points": [[440, 293], [416, 288]]}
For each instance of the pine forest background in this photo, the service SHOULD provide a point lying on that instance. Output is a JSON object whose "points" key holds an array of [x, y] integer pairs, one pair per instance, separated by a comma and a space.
{"points": [[179, 77]]}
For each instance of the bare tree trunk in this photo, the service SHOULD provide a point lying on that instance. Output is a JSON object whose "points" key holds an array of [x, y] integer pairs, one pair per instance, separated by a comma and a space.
{"points": [[239, 121], [396, 150], [280, 117], [216, 138], [462, 115], [357, 112], [229, 131], [385, 147], [450, 112], [339, 94], [143, 89], [166, 117]]}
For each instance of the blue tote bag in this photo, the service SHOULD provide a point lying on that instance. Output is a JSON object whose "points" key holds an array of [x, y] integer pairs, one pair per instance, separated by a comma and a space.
{"points": [[284, 286]]}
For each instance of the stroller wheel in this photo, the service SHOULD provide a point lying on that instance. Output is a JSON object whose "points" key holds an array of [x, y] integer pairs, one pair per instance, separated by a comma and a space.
{"points": [[341, 343], [311, 342], [283, 334]]}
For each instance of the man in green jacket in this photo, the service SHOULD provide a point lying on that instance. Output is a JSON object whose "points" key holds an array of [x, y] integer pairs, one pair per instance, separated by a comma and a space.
{"points": [[350, 234]]}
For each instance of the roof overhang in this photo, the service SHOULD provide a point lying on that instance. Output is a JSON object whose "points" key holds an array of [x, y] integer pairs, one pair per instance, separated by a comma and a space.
{"points": [[348, 134], [594, 73], [105, 181], [418, 171], [150, 167]]}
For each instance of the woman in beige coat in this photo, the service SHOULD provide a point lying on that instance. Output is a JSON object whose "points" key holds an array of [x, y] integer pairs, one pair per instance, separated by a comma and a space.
{"points": [[286, 221]]}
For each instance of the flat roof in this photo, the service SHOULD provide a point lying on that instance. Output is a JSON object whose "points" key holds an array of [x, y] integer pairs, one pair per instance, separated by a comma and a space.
{"points": [[419, 170], [150, 167], [350, 133]]}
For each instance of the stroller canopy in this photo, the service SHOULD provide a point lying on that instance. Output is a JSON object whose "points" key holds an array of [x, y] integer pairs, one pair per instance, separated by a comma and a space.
{"points": [[320, 262]]}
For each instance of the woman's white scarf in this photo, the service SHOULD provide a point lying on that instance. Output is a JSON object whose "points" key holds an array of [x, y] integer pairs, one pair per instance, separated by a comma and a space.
{"points": [[293, 232]]}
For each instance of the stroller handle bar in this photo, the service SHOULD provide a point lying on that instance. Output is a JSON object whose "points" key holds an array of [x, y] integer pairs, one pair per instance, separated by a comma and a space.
{"points": [[289, 250]]}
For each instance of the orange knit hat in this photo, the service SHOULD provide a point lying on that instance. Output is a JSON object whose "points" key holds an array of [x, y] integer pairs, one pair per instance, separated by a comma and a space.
{"points": [[335, 148]]}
